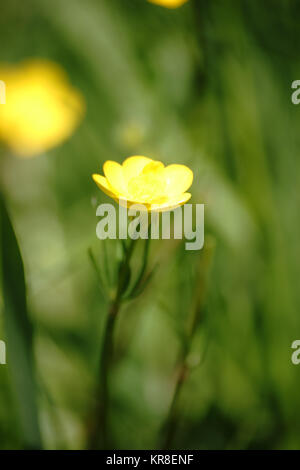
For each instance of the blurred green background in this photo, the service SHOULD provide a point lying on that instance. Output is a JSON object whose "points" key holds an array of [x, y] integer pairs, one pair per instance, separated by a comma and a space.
{"points": [[208, 85]]}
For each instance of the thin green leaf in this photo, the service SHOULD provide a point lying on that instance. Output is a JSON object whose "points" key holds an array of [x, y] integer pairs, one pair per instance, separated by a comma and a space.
{"points": [[98, 273], [143, 283], [140, 280]]}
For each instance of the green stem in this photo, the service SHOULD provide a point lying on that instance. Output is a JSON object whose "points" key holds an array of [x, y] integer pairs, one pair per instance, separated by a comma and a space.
{"points": [[172, 417], [99, 430], [183, 368]]}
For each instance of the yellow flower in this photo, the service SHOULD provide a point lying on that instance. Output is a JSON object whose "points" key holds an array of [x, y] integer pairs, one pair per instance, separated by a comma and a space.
{"points": [[41, 110], [141, 180], [169, 3]]}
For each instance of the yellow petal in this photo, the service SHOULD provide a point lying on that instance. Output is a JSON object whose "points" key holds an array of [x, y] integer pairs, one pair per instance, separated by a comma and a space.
{"points": [[178, 179], [169, 3], [115, 176], [171, 203], [133, 166], [153, 167], [104, 185]]}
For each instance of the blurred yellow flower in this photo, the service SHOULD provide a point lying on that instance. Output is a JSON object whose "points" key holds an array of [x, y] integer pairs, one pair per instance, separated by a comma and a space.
{"points": [[141, 180], [169, 3], [42, 109]]}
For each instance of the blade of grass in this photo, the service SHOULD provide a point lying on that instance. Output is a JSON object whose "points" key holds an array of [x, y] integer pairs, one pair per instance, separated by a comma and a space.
{"points": [[19, 332]]}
